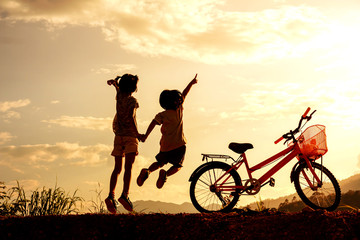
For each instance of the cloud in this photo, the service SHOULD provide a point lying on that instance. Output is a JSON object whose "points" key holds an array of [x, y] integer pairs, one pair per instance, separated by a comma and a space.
{"points": [[11, 166], [91, 123], [56, 11], [5, 137], [115, 69], [93, 184], [8, 105], [82, 122], [191, 30], [26, 184], [6, 112], [278, 100], [59, 154]]}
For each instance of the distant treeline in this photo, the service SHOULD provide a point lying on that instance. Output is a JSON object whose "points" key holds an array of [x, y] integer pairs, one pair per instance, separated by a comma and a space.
{"points": [[349, 200]]}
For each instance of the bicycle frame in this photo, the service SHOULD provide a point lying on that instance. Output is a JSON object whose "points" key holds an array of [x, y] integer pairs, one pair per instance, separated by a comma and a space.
{"points": [[217, 186], [290, 152]]}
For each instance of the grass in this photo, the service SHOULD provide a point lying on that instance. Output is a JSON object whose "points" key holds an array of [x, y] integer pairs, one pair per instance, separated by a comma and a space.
{"points": [[348, 207], [97, 205], [52, 201], [55, 201], [2, 192], [260, 205]]}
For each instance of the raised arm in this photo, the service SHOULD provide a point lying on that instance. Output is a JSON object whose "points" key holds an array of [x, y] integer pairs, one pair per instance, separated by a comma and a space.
{"points": [[188, 87], [114, 82]]}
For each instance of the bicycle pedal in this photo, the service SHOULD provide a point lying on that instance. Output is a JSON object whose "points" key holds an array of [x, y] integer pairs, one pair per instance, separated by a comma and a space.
{"points": [[272, 182]]}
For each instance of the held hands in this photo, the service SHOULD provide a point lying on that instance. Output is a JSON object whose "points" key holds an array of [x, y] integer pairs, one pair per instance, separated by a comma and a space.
{"points": [[142, 137]]}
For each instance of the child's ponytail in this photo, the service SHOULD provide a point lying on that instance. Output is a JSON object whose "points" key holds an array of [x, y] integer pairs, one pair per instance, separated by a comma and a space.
{"points": [[127, 83]]}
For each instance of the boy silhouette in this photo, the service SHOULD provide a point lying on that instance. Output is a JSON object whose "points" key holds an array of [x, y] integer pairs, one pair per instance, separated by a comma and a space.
{"points": [[173, 142]]}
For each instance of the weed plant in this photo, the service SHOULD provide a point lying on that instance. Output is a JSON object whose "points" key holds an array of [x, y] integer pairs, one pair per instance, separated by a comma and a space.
{"points": [[4, 208], [41, 202], [348, 207], [97, 205], [2, 193], [260, 205]]}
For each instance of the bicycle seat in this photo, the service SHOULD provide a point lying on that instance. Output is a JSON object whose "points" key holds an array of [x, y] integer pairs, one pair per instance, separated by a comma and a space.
{"points": [[240, 147]]}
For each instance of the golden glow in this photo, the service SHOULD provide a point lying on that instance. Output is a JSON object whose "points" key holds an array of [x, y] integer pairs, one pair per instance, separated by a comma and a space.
{"points": [[260, 64]]}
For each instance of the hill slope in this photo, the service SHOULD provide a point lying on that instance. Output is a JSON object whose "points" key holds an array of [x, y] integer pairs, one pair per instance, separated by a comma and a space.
{"points": [[350, 184]]}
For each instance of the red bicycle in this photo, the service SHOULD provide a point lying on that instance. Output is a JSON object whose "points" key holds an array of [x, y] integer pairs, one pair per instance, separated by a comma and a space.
{"points": [[216, 186]]}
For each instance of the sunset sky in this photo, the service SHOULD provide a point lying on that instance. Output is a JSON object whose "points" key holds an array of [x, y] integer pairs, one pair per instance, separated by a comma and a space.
{"points": [[260, 64]]}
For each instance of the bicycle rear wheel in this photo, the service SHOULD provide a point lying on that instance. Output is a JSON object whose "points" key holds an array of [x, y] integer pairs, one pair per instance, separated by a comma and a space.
{"points": [[326, 196], [204, 196]]}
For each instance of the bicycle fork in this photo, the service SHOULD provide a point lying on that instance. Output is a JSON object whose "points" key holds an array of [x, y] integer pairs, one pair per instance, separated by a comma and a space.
{"points": [[316, 182]]}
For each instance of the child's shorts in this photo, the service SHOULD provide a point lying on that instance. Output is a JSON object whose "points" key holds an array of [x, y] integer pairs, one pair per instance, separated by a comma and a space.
{"points": [[175, 157], [124, 145]]}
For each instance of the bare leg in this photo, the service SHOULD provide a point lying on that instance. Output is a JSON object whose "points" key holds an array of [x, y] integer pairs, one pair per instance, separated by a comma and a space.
{"points": [[129, 160], [115, 174], [172, 170], [155, 166]]}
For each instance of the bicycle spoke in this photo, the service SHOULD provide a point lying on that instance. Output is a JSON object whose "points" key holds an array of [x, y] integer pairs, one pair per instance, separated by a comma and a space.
{"points": [[206, 184], [207, 193], [324, 195]]}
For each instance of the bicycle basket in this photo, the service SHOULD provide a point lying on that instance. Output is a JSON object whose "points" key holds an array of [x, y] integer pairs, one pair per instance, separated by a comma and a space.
{"points": [[312, 142]]}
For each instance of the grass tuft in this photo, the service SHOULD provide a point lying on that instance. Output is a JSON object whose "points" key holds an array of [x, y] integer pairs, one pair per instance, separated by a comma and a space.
{"points": [[97, 205], [41, 202]]}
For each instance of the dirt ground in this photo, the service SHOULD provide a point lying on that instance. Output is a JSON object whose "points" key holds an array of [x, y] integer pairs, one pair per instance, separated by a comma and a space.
{"points": [[236, 225]]}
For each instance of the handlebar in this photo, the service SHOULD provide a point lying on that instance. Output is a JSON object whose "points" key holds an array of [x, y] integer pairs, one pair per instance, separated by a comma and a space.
{"points": [[279, 140], [291, 133], [306, 112]]}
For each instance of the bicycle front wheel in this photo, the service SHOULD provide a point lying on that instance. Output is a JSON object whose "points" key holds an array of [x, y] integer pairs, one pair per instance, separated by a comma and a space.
{"points": [[326, 195], [204, 195]]}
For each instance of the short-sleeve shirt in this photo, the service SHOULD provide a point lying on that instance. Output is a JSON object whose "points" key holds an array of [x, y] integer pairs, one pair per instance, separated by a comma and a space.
{"points": [[171, 129], [125, 114]]}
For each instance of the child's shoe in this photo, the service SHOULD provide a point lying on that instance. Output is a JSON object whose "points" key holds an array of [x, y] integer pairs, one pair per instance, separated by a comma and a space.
{"points": [[144, 174], [162, 179], [111, 204], [125, 201]]}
